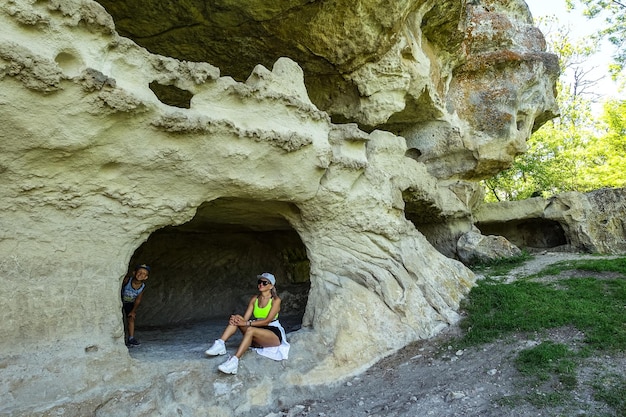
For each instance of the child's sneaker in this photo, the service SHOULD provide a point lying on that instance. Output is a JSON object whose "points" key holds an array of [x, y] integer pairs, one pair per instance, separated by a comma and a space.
{"points": [[230, 366], [218, 348], [133, 342]]}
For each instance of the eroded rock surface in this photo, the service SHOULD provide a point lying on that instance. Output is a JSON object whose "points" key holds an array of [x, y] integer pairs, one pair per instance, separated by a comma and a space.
{"points": [[340, 169], [587, 222], [464, 83]]}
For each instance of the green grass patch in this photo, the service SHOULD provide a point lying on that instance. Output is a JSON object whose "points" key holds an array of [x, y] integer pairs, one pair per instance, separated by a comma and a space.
{"points": [[591, 265], [542, 400], [596, 306], [611, 389], [549, 359]]}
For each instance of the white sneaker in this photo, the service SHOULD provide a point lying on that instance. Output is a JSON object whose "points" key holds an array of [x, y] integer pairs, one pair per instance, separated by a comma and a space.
{"points": [[218, 348], [230, 366]]}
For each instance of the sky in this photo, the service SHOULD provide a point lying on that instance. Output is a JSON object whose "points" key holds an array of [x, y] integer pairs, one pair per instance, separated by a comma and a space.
{"points": [[580, 27]]}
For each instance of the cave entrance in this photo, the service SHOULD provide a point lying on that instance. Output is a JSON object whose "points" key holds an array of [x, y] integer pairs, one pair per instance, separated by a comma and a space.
{"points": [[528, 233], [205, 269]]}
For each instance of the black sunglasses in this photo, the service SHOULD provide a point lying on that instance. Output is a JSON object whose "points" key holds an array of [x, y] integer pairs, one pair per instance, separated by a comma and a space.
{"points": [[262, 282]]}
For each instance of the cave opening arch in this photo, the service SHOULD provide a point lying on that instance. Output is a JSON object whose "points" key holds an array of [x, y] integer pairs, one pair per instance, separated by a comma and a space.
{"points": [[205, 269]]}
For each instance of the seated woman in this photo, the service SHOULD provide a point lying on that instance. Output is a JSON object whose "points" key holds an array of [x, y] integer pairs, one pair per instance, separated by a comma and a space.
{"points": [[259, 325]]}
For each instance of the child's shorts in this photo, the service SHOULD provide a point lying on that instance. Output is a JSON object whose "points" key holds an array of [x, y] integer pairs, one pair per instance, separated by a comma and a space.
{"points": [[128, 307]]}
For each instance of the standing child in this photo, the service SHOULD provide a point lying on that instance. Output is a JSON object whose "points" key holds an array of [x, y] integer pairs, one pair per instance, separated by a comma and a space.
{"points": [[133, 288]]}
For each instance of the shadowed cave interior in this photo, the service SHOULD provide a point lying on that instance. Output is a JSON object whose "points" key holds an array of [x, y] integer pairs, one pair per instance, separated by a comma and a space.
{"points": [[528, 233], [205, 270]]}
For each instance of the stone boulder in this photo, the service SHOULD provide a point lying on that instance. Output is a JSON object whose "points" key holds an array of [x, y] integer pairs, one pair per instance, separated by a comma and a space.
{"points": [[473, 247]]}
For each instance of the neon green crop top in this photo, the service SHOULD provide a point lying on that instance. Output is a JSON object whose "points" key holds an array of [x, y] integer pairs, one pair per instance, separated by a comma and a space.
{"points": [[261, 313]]}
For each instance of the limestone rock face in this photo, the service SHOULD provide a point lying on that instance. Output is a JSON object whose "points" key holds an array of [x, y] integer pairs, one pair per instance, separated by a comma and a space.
{"points": [[589, 222], [342, 185], [464, 84]]}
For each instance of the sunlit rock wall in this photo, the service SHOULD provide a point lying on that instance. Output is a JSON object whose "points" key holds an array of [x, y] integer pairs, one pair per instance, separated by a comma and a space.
{"points": [[464, 82], [93, 162]]}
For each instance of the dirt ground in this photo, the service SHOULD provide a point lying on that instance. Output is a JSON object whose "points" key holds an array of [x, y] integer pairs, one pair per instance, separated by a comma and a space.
{"points": [[431, 378]]}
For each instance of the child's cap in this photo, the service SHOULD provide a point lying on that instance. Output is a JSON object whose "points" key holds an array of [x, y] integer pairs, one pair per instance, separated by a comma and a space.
{"points": [[144, 266], [268, 277]]}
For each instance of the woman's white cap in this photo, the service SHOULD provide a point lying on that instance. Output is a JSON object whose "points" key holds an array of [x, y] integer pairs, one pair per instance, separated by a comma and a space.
{"points": [[268, 277]]}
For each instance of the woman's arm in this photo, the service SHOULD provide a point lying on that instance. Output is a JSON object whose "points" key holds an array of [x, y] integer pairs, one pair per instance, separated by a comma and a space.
{"points": [[237, 320]]}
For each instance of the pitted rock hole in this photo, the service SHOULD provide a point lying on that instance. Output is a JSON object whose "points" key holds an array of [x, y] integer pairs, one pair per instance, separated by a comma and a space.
{"points": [[206, 269], [172, 95], [69, 63], [413, 153], [528, 233]]}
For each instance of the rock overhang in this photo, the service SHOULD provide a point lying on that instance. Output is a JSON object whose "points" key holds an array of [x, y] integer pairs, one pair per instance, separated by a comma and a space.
{"points": [[389, 67]]}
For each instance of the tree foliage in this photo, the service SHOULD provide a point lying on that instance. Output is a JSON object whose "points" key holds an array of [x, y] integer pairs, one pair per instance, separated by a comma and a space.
{"points": [[614, 14], [608, 150]]}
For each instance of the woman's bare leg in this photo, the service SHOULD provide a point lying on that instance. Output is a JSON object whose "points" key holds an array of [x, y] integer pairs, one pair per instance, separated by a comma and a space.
{"points": [[231, 330], [261, 337]]}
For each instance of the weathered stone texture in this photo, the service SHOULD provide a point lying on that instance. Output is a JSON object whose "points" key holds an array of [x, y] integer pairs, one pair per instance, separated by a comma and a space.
{"points": [[589, 222], [112, 154], [465, 85]]}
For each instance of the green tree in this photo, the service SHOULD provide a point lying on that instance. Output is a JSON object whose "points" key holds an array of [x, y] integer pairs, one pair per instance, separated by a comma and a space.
{"points": [[608, 149]]}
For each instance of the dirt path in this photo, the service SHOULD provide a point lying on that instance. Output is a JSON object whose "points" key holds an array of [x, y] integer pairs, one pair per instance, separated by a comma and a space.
{"points": [[541, 260], [430, 378]]}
